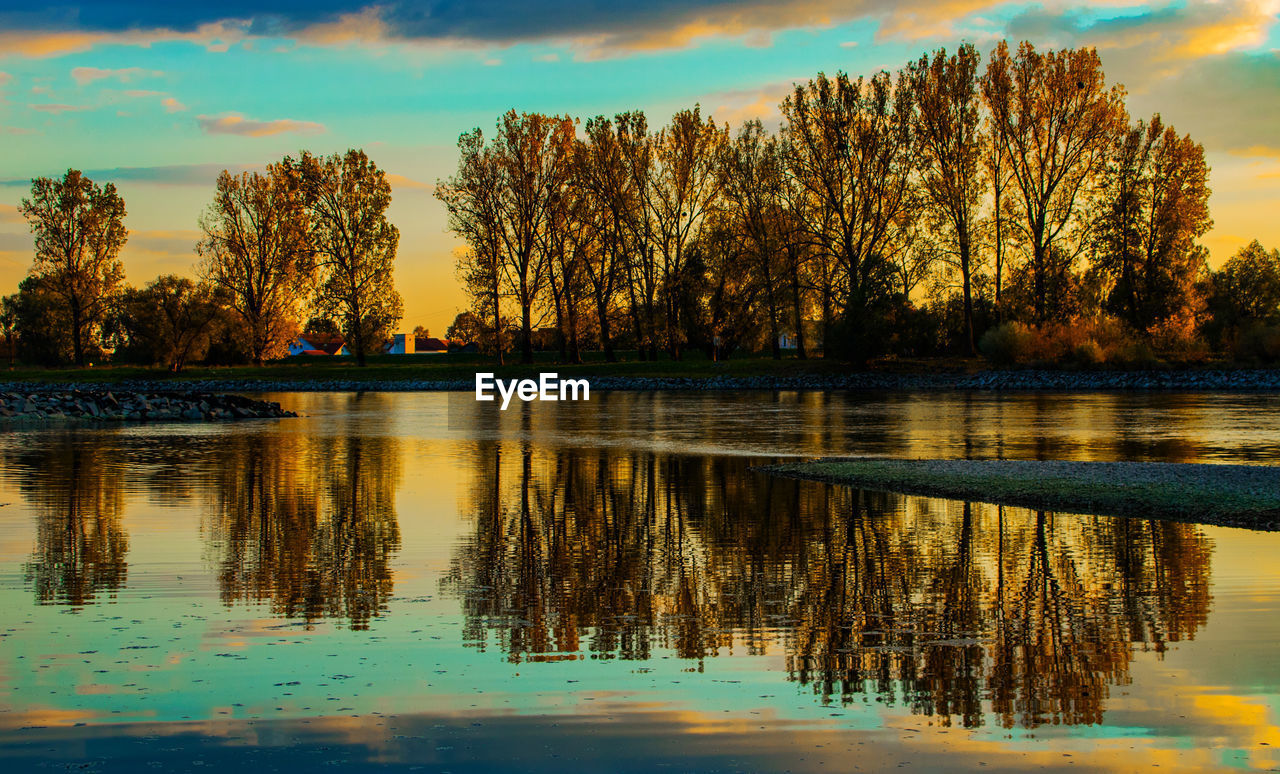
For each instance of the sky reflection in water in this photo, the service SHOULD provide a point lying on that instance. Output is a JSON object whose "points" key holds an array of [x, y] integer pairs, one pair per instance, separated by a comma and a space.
{"points": [[404, 582]]}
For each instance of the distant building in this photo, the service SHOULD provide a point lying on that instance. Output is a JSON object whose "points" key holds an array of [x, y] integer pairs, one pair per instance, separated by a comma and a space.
{"points": [[812, 336], [402, 344], [319, 344], [432, 344]]}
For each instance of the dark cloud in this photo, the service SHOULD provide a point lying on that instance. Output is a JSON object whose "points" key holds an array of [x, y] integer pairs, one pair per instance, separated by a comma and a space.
{"points": [[487, 20], [173, 174]]}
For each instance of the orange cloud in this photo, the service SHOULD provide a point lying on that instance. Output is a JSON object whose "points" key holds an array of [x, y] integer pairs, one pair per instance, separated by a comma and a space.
{"points": [[219, 36], [400, 181], [9, 214], [761, 103], [235, 123], [86, 75], [363, 27], [60, 108]]}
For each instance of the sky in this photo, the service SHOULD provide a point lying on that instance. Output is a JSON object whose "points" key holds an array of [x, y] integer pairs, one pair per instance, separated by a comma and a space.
{"points": [[160, 97]]}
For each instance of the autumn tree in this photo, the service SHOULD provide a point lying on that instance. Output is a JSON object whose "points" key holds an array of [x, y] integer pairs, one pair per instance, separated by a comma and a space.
{"points": [[172, 318], [79, 231], [753, 181], [726, 310], [685, 188], [949, 151], [255, 251], [565, 241], [600, 171], [643, 273], [1054, 119], [998, 218], [467, 327], [1155, 207], [473, 199], [848, 149], [1246, 289], [346, 198], [529, 150], [9, 324]]}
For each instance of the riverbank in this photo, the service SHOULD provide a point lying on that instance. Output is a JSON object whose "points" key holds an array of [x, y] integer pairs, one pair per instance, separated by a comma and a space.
{"points": [[706, 379], [96, 406], [1228, 495]]}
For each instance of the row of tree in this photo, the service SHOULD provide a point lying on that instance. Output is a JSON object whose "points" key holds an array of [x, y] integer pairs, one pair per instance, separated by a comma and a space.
{"points": [[1022, 191], [307, 236]]}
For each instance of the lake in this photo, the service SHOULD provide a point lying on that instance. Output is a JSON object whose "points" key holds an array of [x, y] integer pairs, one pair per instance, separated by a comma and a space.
{"points": [[402, 581]]}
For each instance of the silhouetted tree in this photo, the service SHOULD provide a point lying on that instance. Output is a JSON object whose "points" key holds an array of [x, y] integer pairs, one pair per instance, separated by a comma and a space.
{"points": [[1156, 205], [848, 148], [255, 251], [346, 198], [949, 147], [1054, 119], [171, 319], [79, 230]]}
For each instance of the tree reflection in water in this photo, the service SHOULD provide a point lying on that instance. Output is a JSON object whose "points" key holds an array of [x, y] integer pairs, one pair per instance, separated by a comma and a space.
{"points": [[306, 523], [969, 613], [81, 545]]}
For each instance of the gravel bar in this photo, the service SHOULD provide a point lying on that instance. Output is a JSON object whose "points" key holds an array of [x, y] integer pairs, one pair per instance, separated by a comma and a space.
{"points": [[1229, 495]]}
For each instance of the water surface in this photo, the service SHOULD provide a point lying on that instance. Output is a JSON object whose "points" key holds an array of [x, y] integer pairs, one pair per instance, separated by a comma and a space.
{"points": [[398, 581]]}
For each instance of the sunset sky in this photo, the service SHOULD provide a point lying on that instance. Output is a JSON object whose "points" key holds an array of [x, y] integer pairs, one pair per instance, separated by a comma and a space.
{"points": [[158, 97]]}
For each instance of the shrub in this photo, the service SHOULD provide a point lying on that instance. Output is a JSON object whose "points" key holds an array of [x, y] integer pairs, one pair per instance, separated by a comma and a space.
{"points": [[1259, 342], [1177, 338], [1081, 341], [1088, 353], [1006, 344], [1134, 352]]}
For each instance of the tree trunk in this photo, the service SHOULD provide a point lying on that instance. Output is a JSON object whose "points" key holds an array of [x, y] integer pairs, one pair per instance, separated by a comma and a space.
{"points": [[575, 355], [606, 335], [1038, 268], [497, 320], [965, 270], [827, 314], [77, 343], [526, 332], [797, 311], [635, 317]]}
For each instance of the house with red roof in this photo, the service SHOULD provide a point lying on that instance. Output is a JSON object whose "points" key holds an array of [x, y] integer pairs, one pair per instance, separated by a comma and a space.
{"points": [[319, 344]]}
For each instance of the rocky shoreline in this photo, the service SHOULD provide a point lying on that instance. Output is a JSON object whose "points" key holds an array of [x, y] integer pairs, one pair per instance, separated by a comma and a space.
{"points": [[28, 403], [1220, 380]]}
